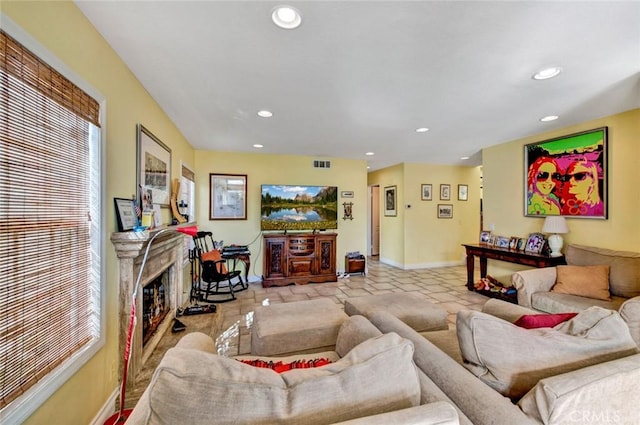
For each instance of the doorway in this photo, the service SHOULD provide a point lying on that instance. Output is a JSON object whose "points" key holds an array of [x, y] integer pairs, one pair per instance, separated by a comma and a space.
{"points": [[374, 220]]}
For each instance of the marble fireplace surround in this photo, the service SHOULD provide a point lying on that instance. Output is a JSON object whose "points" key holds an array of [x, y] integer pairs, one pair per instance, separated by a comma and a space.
{"points": [[166, 254]]}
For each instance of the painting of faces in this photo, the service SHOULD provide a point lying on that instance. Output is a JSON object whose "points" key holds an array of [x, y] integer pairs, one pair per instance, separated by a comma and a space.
{"points": [[567, 176]]}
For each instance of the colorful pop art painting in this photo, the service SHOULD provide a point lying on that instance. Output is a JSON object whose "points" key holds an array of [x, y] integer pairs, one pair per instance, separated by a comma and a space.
{"points": [[567, 176]]}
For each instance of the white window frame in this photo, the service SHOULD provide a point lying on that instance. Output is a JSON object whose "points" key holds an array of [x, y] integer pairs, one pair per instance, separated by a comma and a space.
{"points": [[24, 406]]}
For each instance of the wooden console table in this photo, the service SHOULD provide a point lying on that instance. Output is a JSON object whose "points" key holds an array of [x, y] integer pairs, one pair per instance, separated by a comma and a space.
{"points": [[504, 254]]}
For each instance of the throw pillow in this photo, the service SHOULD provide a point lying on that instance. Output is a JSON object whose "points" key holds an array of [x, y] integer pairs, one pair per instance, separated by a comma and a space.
{"points": [[376, 376], [585, 281], [534, 321], [512, 360], [280, 367]]}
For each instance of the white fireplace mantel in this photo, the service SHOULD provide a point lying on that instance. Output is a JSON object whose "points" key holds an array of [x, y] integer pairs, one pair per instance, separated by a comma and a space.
{"points": [[166, 253]]}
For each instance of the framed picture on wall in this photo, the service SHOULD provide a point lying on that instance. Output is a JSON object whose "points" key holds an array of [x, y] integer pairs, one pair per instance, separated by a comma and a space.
{"points": [[426, 193], [445, 211], [463, 192], [567, 176], [154, 167], [227, 196], [445, 192], [390, 198]]}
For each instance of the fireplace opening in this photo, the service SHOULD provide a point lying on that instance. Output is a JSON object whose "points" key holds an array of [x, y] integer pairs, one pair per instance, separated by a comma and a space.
{"points": [[155, 305]]}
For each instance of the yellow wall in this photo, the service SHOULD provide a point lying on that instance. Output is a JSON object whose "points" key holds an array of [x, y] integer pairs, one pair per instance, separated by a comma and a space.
{"points": [[416, 237], [391, 227], [348, 175], [504, 190], [65, 32]]}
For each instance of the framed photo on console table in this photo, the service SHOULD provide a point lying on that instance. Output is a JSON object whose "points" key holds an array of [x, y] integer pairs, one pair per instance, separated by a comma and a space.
{"points": [[567, 176], [535, 243]]}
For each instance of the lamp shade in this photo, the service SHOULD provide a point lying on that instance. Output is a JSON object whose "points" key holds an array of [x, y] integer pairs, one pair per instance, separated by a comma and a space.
{"points": [[555, 224]]}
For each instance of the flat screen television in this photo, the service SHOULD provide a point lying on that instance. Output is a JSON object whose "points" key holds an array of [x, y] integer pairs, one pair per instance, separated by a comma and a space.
{"points": [[288, 207]]}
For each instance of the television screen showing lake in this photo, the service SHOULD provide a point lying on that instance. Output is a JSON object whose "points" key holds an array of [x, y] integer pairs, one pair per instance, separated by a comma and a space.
{"points": [[299, 207]]}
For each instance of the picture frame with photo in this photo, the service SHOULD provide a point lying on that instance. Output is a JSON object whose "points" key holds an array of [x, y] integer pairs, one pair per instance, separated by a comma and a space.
{"points": [[227, 196], [445, 211], [390, 209], [485, 236], [502, 242], [463, 192], [522, 243], [445, 192], [535, 243], [426, 192], [513, 243], [153, 166], [126, 214]]}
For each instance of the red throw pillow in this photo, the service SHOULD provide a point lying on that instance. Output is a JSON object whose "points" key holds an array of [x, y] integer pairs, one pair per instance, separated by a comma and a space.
{"points": [[283, 367], [533, 321]]}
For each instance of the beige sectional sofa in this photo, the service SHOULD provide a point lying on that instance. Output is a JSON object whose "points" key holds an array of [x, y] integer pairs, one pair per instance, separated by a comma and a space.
{"points": [[193, 385], [537, 287]]}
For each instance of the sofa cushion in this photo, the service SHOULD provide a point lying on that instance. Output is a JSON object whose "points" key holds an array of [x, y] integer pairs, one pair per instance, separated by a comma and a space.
{"points": [[624, 276], [438, 413], [584, 281], [602, 393], [512, 360], [553, 302], [535, 321], [200, 386]]}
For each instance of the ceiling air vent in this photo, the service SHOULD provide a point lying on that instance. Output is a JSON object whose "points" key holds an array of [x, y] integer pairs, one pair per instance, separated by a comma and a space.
{"points": [[321, 164]]}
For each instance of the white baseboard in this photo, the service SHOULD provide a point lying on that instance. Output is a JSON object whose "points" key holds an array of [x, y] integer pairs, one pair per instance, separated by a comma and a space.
{"points": [[421, 265], [108, 409]]}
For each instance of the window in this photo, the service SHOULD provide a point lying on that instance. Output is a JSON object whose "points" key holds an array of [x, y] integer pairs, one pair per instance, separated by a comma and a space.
{"points": [[50, 224]]}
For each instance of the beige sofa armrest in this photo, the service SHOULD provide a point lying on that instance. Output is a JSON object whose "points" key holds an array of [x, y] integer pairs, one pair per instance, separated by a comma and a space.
{"points": [[602, 393], [630, 312], [528, 282], [438, 413], [506, 311]]}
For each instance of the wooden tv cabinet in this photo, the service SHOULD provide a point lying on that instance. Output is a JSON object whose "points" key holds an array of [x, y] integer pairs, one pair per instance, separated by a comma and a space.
{"points": [[299, 258]]}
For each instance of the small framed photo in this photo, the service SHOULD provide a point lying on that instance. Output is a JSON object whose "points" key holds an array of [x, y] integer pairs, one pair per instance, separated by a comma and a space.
{"points": [[492, 239], [513, 243], [502, 242], [126, 214], [522, 243], [346, 194], [445, 211], [535, 243], [485, 236], [463, 192], [426, 192], [445, 192], [390, 201]]}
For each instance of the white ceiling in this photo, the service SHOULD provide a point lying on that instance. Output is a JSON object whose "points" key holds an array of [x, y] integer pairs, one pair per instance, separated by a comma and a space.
{"points": [[361, 76]]}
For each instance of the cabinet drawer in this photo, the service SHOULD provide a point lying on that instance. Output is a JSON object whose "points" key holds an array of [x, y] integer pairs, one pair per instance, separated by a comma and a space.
{"points": [[301, 266]]}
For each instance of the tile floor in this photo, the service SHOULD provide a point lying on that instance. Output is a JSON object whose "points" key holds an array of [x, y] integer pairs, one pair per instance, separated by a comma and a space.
{"points": [[231, 325]]}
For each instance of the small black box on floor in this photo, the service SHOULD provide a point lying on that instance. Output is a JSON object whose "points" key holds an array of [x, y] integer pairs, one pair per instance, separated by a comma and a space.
{"points": [[354, 264]]}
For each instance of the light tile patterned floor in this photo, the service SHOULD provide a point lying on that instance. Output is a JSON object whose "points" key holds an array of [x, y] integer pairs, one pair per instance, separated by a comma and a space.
{"points": [[444, 286]]}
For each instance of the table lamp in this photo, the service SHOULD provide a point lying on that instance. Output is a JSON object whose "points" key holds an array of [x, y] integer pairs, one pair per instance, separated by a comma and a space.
{"points": [[123, 414], [556, 225]]}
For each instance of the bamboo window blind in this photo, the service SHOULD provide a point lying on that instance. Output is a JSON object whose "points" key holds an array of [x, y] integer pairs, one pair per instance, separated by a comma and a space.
{"points": [[48, 284]]}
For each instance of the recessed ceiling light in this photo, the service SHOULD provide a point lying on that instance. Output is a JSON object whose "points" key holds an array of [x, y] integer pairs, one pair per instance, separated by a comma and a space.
{"points": [[549, 118], [422, 130], [286, 17], [265, 114], [464, 157], [369, 153], [257, 145], [547, 73]]}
